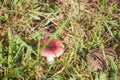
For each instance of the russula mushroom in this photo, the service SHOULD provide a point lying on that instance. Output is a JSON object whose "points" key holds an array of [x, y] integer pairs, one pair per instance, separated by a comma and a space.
{"points": [[53, 49]]}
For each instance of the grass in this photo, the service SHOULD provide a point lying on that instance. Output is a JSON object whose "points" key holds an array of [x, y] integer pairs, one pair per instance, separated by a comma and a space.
{"points": [[79, 25]]}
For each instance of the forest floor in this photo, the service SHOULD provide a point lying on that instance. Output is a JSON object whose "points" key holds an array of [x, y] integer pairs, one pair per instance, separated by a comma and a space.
{"points": [[89, 30]]}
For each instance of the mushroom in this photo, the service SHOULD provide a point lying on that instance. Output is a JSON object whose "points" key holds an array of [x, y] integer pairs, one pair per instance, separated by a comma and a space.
{"points": [[53, 49]]}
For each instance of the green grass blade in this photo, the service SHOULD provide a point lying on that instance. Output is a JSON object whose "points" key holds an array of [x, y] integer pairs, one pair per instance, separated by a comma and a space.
{"points": [[10, 59], [110, 31], [18, 52], [25, 44], [113, 70], [102, 76]]}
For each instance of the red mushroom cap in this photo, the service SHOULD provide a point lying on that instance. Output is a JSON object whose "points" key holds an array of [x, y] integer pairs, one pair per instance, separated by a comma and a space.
{"points": [[54, 49]]}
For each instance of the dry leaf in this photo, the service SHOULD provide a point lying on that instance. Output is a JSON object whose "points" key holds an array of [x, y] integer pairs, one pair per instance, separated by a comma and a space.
{"points": [[96, 60]]}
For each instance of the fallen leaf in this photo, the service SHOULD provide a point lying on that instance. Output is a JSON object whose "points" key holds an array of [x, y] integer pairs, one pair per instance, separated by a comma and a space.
{"points": [[96, 60]]}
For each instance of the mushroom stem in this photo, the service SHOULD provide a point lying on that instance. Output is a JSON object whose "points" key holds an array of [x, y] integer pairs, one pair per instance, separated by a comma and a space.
{"points": [[50, 60]]}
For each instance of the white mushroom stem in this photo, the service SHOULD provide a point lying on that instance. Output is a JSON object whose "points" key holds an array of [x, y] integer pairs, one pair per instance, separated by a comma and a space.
{"points": [[50, 60]]}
